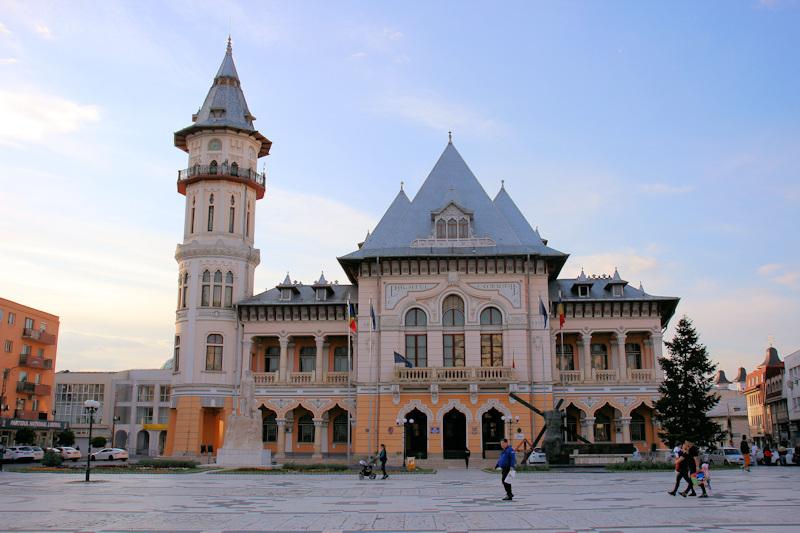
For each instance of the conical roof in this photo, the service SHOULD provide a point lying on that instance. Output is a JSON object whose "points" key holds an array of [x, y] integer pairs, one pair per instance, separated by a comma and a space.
{"points": [[771, 357], [224, 107], [721, 379], [516, 220], [741, 376]]}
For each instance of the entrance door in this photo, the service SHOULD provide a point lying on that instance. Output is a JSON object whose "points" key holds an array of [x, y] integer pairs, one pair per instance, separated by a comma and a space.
{"points": [[143, 443], [417, 435], [493, 429], [455, 434]]}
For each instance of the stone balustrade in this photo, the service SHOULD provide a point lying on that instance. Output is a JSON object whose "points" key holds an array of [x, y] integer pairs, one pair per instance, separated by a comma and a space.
{"points": [[336, 378], [605, 376], [265, 378], [462, 374], [571, 376], [301, 378], [641, 375]]}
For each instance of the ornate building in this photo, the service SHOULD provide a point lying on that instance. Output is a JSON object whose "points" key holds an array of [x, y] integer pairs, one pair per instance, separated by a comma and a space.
{"points": [[455, 286]]}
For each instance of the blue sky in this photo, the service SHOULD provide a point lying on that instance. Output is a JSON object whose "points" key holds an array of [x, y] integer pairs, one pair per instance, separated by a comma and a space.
{"points": [[659, 138]]}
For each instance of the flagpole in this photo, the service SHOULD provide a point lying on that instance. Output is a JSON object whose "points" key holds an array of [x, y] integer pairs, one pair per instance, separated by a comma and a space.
{"points": [[372, 395], [349, 384]]}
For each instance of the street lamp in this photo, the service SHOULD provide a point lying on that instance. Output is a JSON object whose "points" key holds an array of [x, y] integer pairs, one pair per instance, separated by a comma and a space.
{"points": [[91, 406], [114, 421], [401, 422]]}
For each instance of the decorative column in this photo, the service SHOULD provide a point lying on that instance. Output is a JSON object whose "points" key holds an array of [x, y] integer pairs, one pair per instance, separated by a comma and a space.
{"points": [[317, 439], [656, 340], [588, 429], [284, 360], [625, 423], [281, 452], [318, 365], [622, 364], [586, 344]]}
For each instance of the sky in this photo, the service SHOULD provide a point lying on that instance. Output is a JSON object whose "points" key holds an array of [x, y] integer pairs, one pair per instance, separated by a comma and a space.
{"points": [[659, 138]]}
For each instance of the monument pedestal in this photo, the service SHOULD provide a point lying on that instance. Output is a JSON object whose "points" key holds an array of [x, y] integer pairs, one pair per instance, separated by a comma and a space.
{"points": [[242, 445]]}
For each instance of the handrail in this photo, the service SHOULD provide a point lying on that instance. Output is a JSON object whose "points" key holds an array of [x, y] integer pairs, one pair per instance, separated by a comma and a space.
{"points": [[224, 170]]}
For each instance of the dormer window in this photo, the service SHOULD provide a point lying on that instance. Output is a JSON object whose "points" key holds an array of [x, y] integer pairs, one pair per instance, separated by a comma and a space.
{"points": [[583, 291], [617, 291], [286, 294], [322, 295]]}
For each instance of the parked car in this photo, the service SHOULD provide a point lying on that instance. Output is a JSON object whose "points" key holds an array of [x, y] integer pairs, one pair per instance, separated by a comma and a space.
{"points": [[68, 453], [726, 456], [20, 454], [537, 457], [38, 453], [110, 454]]}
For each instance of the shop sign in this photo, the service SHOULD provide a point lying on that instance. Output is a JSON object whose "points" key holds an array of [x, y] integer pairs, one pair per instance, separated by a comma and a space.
{"points": [[19, 423]]}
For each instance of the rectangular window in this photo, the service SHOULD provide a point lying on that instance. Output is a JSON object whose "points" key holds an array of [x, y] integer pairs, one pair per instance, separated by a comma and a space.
{"points": [[633, 355], [191, 227], [146, 393], [35, 405], [164, 392], [8, 346], [564, 357], [272, 358], [163, 416], [340, 359], [211, 218], [26, 349], [417, 350], [492, 349], [144, 415], [40, 352], [176, 357], [247, 227], [453, 350], [11, 318], [322, 295], [583, 291], [286, 294], [228, 296], [599, 356], [214, 358], [617, 290], [340, 429], [308, 359], [231, 219], [269, 431], [637, 429], [305, 432], [28, 323], [205, 296], [217, 296]]}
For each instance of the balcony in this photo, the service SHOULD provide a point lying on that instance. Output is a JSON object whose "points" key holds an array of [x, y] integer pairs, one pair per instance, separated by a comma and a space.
{"points": [[336, 378], [265, 378], [489, 374], [301, 378], [571, 376], [605, 376], [599, 376], [27, 387], [231, 173], [26, 414], [641, 375], [31, 361], [39, 336]]}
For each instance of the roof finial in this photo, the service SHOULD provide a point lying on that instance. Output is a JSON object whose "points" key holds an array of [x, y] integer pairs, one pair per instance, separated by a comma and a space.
{"points": [[502, 184], [771, 340], [449, 137], [229, 49], [401, 184]]}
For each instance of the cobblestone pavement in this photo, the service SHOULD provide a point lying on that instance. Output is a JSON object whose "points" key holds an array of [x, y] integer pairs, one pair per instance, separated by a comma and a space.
{"points": [[766, 499]]}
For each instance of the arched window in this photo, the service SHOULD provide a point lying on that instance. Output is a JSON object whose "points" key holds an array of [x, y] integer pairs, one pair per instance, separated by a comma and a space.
{"points": [[214, 352], [234, 169], [564, 357], [463, 228], [340, 429], [452, 229], [491, 317], [602, 428], [214, 145], [633, 355], [205, 289], [176, 354], [231, 215], [305, 429], [183, 292], [212, 168], [269, 430], [217, 299], [441, 229], [416, 317], [191, 227], [637, 427], [599, 356], [211, 211], [229, 289], [453, 311]]}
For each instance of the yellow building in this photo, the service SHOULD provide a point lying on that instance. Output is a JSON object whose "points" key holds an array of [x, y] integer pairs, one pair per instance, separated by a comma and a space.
{"points": [[455, 297]]}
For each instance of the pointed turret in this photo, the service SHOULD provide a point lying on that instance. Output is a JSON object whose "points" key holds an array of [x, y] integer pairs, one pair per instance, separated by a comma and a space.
{"points": [[771, 358], [741, 376], [720, 380]]}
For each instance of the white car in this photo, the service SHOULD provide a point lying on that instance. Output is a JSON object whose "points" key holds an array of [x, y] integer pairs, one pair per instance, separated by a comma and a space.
{"points": [[20, 454], [110, 454], [38, 453], [726, 456], [69, 453], [537, 457]]}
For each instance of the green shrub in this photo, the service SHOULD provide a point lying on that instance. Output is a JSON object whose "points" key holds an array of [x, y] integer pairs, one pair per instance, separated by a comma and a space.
{"points": [[25, 436], [99, 442], [332, 467], [66, 438], [167, 463], [52, 459]]}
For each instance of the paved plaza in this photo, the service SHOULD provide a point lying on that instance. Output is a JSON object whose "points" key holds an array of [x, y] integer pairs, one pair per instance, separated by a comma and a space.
{"points": [[767, 499]]}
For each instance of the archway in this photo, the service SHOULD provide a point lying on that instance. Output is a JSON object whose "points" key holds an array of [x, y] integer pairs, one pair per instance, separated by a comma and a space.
{"points": [[605, 425], [417, 434], [493, 429], [162, 442], [121, 439], [143, 443], [454, 428]]}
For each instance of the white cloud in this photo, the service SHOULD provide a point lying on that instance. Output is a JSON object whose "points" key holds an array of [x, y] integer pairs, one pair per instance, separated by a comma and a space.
{"points": [[632, 265], [780, 274], [392, 35], [31, 117], [358, 55], [44, 31], [769, 268], [4, 30], [661, 188], [438, 114], [402, 59], [8, 61]]}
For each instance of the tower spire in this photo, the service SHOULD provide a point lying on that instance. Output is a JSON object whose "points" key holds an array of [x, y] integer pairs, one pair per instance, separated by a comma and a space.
{"points": [[229, 48]]}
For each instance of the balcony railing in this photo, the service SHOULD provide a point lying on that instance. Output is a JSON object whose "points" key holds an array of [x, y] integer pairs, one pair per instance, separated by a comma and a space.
{"points": [[27, 387], [462, 374], [38, 335], [265, 378], [336, 378], [570, 376], [27, 414], [31, 361], [638, 375], [604, 376], [301, 377], [224, 170]]}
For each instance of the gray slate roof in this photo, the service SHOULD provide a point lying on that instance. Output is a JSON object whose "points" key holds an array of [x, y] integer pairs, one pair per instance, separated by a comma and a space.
{"points": [[451, 180], [226, 99], [304, 295]]}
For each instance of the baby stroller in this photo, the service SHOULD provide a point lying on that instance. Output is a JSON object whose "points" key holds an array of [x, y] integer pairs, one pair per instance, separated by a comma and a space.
{"points": [[366, 469]]}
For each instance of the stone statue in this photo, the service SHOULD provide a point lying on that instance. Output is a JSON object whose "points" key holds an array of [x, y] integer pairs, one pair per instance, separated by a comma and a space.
{"points": [[553, 436], [242, 445], [247, 395]]}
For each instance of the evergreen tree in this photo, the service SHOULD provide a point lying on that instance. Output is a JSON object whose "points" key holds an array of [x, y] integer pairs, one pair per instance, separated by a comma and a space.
{"points": [[686, 396]]}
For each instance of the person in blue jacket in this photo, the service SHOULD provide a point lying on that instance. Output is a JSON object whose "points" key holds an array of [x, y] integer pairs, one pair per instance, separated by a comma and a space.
{"points": [[507, 461]]}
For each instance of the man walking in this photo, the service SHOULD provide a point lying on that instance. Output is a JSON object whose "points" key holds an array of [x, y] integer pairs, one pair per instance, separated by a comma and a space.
{"points": [[681, 472], [382, 459], [507, 461], [745, 449], [694, 467]]}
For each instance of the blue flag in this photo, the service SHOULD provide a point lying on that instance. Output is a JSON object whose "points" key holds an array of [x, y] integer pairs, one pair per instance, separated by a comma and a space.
{"points": [[543, 311], [398, 359]]}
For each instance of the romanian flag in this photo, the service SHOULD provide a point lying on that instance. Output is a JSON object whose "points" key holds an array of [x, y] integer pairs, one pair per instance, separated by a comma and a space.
{"points": [[351, 318], [561, 316]]}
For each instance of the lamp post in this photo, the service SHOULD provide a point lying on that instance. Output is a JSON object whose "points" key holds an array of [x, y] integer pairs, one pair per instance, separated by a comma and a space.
{"points": [[91, 406], [114, 421], [401, 422]]}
